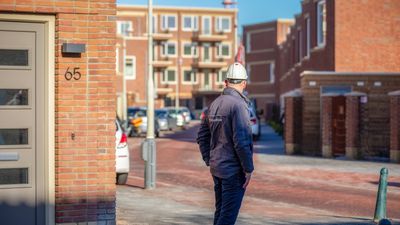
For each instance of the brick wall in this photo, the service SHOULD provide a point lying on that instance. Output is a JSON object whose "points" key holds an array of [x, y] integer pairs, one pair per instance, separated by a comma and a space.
{"points": [[291, 63], [85, 166], [326, 126], [293, 119], [353, 119], [367, 35], [375, 125], [395, 126]]}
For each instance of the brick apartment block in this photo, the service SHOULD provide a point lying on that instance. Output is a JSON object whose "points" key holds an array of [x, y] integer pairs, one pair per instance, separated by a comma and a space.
{"points": [[192, 49], [58, 170], [261, 44], [340, 48]]}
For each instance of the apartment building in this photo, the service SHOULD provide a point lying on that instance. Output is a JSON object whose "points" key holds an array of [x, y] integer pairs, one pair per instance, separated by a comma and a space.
{"points": [[57, 97], [261, 46], [337, 53], [192, 49]]}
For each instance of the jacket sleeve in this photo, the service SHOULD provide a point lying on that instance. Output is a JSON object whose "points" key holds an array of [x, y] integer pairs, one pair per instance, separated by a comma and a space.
{"points": [[204, 139], [242, 137]]}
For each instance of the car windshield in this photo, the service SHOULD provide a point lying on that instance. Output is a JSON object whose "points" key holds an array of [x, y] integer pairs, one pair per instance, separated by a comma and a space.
{"points": [[161, 113], [133, 111]]}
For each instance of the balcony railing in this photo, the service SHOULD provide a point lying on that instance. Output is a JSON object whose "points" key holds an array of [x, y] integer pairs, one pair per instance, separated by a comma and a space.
{"points": [[162, 36], [209, 64], [161, 63], [209, 37]]}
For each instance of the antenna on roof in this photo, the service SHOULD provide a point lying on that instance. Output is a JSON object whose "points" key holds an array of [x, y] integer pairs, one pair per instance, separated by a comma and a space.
{"points": [[229, 3]]}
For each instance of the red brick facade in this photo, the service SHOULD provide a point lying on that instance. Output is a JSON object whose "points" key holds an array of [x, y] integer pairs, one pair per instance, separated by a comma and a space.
{"points": [[85, 108], [194, 94], [293, 119], [395, 126], [261, 44]]}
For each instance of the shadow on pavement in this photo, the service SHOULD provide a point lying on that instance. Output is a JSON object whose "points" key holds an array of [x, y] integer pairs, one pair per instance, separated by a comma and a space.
{"points": [[392, 184]]}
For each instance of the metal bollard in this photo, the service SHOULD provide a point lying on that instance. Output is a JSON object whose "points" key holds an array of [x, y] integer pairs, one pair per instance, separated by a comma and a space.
{"points": [[384, 222], [380, 207]]}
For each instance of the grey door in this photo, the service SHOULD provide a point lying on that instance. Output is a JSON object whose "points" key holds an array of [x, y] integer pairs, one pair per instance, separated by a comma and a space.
{"points": [[22, 171]]}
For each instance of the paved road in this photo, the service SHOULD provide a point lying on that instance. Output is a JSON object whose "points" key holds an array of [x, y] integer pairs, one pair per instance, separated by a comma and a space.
{"points": [[283, 190]]}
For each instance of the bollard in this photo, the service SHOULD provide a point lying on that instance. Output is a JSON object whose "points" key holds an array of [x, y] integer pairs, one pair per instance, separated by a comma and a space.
{"points": [[384, 222], [380, 207]]}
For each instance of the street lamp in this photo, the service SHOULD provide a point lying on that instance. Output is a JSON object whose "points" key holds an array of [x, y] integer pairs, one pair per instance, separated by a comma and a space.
{"points": [[149, 145]]}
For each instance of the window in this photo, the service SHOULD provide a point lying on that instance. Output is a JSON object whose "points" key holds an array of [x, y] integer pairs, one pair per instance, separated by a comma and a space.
{"points": [[154, 21], [130, 67], [189, 76], [124, 27], [223, 24], [169, 49], [190, 49], [190, 23], [221, 76], [308, 37], [272, 73], [321, 22], [248, 42], [168, 22], [223, 50], [299, 45], [169, 76], [206, 25]]}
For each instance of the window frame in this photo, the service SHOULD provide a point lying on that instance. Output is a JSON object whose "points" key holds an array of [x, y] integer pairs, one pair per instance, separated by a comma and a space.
{"points": [[165, 75], [272, 72], [194, 23], [194, 49], [308, 36], [193, 76], [133, 76], [164, 52], [218, 24], [164, 22], [321, 25], [219, 76], [218, 50], [119, 28], [155, 23], [203, 18]]}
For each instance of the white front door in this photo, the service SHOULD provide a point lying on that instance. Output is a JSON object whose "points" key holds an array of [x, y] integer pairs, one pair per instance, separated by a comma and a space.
{"points": [[22, 170]]}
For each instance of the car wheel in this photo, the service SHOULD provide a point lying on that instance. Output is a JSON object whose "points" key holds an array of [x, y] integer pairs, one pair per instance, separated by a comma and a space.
{"points": [[122, 178]]}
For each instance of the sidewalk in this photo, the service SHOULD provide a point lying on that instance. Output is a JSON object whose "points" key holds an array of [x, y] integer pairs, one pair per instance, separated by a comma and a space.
{"points": [[284, 189]]}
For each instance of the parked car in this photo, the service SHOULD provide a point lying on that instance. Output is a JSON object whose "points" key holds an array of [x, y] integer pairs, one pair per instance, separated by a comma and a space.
{"points": [[178, 115], [255, 123], [186, 113], [121, 154], [165, 120], [137, 125]]}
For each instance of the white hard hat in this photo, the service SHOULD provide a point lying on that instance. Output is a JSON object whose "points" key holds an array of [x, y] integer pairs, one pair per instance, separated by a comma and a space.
{"points": [[236, 72]]}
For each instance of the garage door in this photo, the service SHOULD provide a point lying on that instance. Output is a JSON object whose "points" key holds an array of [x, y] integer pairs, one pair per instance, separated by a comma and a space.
{"points": [[21, 123]]}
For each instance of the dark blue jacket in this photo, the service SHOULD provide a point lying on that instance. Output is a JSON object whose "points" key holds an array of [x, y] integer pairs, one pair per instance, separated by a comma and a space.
{"points": [[225, 137]]}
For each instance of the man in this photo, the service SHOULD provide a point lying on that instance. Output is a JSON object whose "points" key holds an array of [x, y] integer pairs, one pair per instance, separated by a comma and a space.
{"points": [[225, 142]]}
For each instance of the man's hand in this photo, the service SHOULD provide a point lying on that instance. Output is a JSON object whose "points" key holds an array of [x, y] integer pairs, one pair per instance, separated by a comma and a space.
{"points": [[248, 176]]}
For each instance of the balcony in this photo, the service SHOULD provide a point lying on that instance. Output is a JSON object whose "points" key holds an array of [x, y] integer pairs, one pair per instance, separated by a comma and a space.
{"points": [[209, 38], [157, 63], [162, 36], [209, 64]]}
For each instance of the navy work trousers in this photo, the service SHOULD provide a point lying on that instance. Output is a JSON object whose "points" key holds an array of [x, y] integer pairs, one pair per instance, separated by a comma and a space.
{"points": [[229, 193]]}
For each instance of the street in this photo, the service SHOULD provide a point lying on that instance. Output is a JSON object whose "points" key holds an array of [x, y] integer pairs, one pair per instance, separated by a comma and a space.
{"points": [[283, 190]]}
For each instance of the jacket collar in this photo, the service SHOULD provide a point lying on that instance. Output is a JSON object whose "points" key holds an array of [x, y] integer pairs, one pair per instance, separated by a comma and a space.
{"points": [[234, 92]]}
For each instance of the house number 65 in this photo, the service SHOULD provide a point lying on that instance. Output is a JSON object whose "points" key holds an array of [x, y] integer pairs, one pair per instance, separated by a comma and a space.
{"points": [[74, 74]]}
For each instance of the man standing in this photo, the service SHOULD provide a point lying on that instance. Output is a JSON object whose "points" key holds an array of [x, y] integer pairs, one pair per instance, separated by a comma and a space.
{"points": [[225, 141]]}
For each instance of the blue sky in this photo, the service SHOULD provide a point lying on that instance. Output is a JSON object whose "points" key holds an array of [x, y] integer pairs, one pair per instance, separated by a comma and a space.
{"points": [[250, 11]]}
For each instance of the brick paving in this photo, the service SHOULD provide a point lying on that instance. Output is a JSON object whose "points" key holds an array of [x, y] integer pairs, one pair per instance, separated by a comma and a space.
{"points": [[283, 190]]}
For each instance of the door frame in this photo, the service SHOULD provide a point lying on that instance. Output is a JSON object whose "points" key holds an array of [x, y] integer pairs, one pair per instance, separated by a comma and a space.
{"points": [[49, 104]]}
